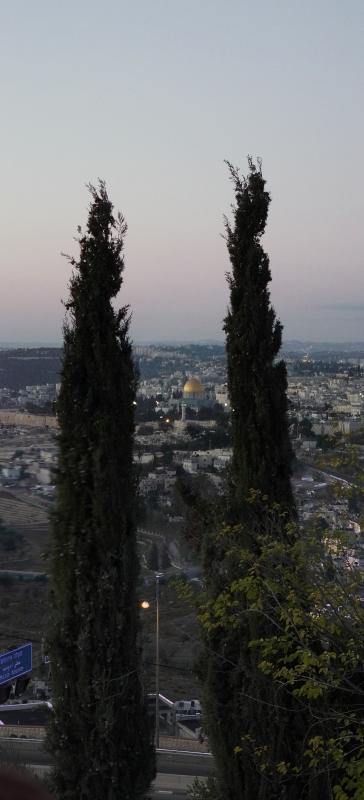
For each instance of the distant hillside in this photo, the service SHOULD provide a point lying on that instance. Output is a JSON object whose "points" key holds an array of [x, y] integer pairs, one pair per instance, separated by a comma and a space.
{"points": [[28, 366], [343, 349]]}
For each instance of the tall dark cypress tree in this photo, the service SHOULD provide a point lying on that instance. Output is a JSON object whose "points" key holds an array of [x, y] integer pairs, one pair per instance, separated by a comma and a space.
{"points": [[257, 383], [244, 711], [99, 735]]}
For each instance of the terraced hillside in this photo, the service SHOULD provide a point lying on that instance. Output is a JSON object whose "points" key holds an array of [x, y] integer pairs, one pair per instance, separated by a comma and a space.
{"points": [[29, 517]]}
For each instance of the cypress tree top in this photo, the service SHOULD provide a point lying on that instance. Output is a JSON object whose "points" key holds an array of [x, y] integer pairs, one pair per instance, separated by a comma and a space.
{"points": [[257, 383]]}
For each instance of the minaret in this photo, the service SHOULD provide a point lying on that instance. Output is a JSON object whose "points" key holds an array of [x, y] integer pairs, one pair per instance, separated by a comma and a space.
{"points": [[183, 412]]}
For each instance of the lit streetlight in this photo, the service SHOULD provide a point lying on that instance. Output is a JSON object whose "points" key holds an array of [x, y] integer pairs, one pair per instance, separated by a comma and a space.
{"points": [[145, 605]]}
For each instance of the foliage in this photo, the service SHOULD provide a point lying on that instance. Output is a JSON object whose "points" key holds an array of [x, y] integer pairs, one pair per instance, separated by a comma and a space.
{"points": [[203, 438], [153, 557], [9, 539], [326, 442], [199, 506], [47, 409], [99, 734], [302, 428], [346, 461], [312, 653], [145, 409], [210, 412], [204, 790]]}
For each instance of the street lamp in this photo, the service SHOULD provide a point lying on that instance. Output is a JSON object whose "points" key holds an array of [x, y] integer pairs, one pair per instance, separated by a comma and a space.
{"points": [[145, 604], [157, 659]]}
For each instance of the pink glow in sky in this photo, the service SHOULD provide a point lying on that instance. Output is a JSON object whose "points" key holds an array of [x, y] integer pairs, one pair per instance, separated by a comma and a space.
{"points": [[152, 97]]}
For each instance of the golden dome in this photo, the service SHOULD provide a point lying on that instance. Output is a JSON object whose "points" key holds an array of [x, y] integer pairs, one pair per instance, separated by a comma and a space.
{"points": [[193, 386]]}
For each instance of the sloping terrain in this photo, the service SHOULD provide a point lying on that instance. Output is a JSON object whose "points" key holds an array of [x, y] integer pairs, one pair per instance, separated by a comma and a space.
{"points": [[28, 517]]}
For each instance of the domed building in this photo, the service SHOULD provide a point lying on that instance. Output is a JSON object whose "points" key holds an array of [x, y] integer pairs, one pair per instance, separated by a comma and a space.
{"points": [[194, 396], [193, 393]]}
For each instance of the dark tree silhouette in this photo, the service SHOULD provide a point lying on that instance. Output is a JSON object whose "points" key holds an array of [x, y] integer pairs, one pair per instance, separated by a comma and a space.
{"points": [[242, 709], [99, 735]]}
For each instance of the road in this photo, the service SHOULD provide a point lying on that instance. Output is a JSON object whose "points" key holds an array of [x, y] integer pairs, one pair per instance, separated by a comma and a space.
{"points": [[24, 573], [172, 762], [25, 713], [333, 476], [176, 769]]}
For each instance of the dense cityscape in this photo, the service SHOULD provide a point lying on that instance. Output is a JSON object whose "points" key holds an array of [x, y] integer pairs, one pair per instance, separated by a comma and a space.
{"points": [[183, 427]]}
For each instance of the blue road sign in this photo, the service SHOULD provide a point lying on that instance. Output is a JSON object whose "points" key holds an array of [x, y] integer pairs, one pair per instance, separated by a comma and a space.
{"points": [[15, 663]]}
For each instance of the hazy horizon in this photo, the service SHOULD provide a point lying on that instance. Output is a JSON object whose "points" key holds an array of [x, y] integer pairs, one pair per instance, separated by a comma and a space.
{"points": [[153, 98], [187, 342]]}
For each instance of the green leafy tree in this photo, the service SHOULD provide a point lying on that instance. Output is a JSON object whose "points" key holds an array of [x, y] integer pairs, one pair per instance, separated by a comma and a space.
{"points": [[312, 654], [305, 429], [204, 790], [99, 734], [195, 497]]}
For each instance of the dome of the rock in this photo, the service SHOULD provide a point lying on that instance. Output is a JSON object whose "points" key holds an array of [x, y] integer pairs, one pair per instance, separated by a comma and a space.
{"points": [[193, 388]]}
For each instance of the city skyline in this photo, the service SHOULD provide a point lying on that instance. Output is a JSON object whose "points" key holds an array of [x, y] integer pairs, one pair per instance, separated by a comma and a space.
{"points": [[153, 98]]}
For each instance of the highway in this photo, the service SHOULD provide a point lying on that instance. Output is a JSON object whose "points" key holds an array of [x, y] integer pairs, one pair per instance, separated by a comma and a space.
{"points": [[25, 713], [173, 762], [176, 769]]}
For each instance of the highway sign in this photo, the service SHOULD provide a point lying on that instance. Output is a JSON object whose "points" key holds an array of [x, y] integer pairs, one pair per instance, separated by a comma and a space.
{"points": [[15, 663]]}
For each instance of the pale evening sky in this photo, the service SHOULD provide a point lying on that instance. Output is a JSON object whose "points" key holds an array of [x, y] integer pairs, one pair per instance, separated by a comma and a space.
{"points": [[152, 96]]}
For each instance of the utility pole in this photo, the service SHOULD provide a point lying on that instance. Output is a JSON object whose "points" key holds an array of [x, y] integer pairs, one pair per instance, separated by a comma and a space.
{"points": [[145, 604], [157, 660]]}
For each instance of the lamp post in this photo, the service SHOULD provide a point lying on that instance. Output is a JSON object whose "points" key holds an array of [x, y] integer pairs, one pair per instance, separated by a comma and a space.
{"points": [[157, 660], [145, 604]]}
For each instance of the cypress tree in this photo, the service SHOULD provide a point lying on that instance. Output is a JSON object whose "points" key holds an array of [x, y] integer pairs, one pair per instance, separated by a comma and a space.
{"points": [[244, 712], [99, 735], [257, 383]]}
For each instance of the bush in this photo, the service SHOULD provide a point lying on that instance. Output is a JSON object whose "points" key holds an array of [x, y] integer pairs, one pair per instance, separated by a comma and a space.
{"points": [[204, 790], [9, 539]]}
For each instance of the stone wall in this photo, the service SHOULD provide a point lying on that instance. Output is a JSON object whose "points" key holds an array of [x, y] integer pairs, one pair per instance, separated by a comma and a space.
{"points": [[27, 420]]}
